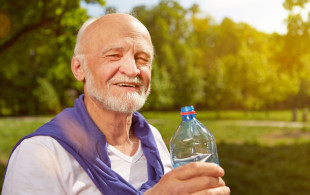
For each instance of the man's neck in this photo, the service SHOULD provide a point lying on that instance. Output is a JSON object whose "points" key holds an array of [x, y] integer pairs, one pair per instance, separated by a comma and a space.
{"points": [[115, 126]]}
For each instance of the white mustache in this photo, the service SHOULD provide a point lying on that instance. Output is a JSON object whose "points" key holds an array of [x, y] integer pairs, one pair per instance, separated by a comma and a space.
{"points": [[121, 79]]}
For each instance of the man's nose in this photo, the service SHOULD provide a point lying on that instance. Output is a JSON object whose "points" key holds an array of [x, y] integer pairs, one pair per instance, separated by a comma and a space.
{"points": [[129, 67]]}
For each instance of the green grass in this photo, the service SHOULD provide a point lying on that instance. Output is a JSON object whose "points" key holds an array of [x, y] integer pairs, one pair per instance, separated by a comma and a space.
{"points": [[283, 115], [12, 129], [260, 153], [233, 127]]}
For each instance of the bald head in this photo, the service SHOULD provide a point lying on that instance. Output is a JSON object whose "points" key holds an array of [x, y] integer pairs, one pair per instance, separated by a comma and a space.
{"points": [[97, 30]]}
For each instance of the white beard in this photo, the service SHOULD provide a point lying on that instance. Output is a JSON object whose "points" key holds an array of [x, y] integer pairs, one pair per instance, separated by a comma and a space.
{"points": [[128, 102]]}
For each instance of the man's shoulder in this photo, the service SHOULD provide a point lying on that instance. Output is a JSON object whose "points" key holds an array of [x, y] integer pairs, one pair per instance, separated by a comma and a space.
{"points": [[45, 150], [40, 143], [155, 131], [40, 139]]}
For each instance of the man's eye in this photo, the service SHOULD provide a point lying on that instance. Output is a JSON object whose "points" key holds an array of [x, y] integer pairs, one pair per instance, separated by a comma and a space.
{"points": [[113, 56], [142, 61]]}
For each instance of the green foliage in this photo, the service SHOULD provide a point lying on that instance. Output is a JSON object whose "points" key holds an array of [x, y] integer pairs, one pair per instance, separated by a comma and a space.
{"points": [[296, 43], [290, 4], [237, 66], [161, 93], [174, 51], [39, 45], [198, 61], [47, 96]]}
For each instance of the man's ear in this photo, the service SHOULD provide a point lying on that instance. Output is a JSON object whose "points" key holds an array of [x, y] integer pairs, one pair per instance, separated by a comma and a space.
{"points": [[77, 69]]}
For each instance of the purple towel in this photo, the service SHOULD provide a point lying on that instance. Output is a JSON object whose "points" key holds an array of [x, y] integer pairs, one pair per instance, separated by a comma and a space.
{"points": [[74, 129]]}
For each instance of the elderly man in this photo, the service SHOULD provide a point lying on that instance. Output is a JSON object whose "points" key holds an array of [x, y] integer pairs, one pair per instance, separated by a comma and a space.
{"points": [[102, 145]]}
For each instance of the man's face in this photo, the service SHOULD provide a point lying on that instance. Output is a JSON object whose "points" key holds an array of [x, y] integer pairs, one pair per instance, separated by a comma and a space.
{"points": [[118, 64]]}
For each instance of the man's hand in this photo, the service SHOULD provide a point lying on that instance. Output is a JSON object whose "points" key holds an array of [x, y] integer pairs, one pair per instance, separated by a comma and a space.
{"points": [[193, 178]]}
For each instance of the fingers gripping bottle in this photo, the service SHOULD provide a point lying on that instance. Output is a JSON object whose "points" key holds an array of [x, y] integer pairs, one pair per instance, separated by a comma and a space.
{"points": [[192, 141]]}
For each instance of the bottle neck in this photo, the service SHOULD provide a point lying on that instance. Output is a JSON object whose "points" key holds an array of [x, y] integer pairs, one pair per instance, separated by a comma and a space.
{"points": [[188, 117]]}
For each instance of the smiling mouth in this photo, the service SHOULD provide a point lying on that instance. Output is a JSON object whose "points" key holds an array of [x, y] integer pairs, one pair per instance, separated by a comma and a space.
{"points": [[126, 85]]}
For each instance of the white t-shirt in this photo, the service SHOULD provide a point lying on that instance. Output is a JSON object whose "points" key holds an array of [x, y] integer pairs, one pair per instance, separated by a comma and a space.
{"points": [[40, 165]]}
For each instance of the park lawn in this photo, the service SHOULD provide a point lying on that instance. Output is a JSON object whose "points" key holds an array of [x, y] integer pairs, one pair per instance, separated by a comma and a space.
{"points": [[235, 127], [260, 154], [14, 128]]}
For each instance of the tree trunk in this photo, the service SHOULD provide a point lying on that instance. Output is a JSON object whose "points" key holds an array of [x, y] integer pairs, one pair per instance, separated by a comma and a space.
{"points": [[305, 115], [295, 112]]}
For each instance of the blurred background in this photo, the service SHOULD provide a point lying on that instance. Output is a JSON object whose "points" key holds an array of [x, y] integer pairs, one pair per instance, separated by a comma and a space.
{"points": [[243, 64]]}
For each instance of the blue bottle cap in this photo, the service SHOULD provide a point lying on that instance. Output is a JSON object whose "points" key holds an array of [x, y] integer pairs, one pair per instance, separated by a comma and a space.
{"points": [[187, 110]]}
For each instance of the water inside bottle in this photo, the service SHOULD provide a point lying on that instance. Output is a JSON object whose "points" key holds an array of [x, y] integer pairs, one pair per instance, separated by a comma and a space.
{"points": [[197, 157], [192, 141]]}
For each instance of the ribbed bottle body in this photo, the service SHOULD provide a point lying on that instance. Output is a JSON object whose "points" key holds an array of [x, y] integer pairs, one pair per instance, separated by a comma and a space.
{"points": [[192, 141]]}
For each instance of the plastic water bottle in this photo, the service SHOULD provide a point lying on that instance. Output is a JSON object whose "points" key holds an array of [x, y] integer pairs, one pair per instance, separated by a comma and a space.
{"points": [[192, 141]]}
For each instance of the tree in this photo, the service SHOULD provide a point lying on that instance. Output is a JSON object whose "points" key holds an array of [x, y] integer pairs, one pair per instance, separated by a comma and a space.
{"points": [[39, 45], [297, 42], [170, 34]]}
